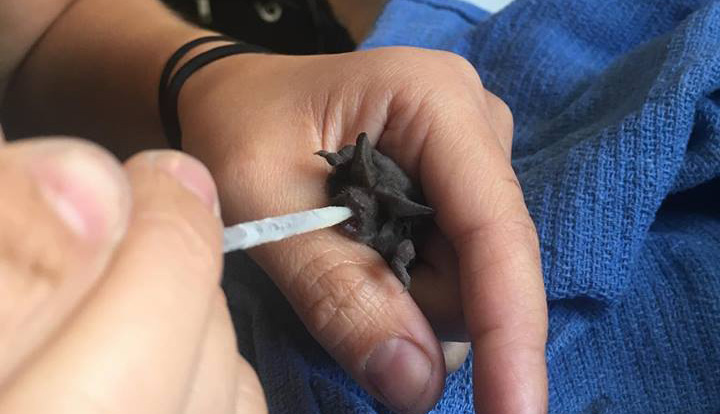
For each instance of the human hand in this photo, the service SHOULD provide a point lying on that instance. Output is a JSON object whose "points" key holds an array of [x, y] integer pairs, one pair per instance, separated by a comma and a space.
{"points": [[109, 293], [256, 121]]}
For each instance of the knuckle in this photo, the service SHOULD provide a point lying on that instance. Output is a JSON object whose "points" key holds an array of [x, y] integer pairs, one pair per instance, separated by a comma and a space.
{"points": [[510, 214], [500, 109], [510, 191], [520, 236], [513, 231], [411, 62], [459, 64], [506, 196], [459, 68], [399, 54], [524, 230]]}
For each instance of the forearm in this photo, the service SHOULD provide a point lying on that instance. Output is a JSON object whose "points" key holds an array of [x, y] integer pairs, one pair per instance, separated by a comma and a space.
{"points": [[22, 24], [94, 73]]}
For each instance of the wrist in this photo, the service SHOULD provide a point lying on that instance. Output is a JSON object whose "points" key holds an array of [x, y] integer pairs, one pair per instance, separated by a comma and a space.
{"points": [[239, 81], [174, 76]]}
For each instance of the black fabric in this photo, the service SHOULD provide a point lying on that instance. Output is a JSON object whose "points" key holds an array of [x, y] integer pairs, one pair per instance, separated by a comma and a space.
{"points": [[305, 26]]}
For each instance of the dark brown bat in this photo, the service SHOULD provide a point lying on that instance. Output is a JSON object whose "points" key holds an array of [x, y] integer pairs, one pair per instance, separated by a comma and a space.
{"points": [[387, 208]]}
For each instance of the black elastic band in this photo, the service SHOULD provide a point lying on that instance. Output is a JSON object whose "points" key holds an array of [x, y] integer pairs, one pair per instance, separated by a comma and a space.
{"points": [[182, 51], [171, 124], [165, 111]]}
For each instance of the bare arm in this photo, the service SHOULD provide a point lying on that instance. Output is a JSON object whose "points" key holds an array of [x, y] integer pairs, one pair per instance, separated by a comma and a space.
{"points": [[90, 68], [87, 67], [21, 25]]}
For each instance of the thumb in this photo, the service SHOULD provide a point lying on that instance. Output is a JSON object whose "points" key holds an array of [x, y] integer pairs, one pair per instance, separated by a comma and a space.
{"points": [[65, 206]]}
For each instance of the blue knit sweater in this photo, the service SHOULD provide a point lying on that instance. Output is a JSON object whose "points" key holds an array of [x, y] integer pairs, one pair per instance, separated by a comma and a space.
{"points": [[617, 148]]}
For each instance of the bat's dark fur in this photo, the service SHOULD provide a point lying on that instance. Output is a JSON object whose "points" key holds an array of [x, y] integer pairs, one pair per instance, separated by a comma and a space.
{"points": [[387, 207]]}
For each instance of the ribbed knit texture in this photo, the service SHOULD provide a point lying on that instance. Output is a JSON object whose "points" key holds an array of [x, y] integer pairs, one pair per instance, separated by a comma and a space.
{"points": [[617, 148]]}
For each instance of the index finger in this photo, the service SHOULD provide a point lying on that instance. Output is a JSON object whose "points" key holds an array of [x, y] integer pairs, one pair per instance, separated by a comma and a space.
{"points": [[482, 210], [467, 177]]}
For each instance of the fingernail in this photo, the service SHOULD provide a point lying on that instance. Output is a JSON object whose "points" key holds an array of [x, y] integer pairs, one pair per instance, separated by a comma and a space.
{"points": [[455, 354], [193, 175], [400, 371], [83, 190]]}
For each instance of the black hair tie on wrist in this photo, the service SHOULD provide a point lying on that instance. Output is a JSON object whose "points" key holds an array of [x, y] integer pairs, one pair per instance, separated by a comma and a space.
{"points": [[169, 91], [182, 51]]}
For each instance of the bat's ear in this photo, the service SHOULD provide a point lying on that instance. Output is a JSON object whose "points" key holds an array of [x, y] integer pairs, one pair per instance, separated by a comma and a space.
{"points": [[401, 206], [332, 158], [363, 169], [345, 154]]}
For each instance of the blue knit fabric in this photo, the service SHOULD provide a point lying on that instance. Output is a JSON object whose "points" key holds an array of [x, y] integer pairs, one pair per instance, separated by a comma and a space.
{"points": [[617, 148]]}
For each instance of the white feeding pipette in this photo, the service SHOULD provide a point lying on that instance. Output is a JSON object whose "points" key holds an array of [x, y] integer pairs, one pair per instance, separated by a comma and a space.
{"points": [[253, 233]]}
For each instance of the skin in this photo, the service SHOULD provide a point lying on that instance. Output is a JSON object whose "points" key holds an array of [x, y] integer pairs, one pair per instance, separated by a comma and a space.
{"points": [[90, 68], [98, 229]]}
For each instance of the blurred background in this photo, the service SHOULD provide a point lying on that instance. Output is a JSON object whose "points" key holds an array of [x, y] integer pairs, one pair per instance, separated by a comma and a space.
{"points": [[294, 26]]}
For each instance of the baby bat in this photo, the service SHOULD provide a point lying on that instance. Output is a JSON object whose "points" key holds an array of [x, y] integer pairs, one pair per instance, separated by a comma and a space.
{"points": [[388, 214]]}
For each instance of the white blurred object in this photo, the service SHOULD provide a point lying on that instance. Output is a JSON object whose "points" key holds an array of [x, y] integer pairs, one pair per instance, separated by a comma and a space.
{"points": [[254, 233], [490, 5], [204, 11]]}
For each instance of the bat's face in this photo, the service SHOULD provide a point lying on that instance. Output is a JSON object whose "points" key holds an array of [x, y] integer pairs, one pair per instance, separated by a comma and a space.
{"points": [[363, 226]]}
